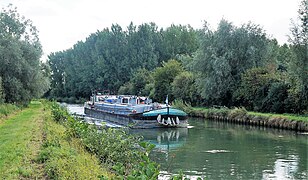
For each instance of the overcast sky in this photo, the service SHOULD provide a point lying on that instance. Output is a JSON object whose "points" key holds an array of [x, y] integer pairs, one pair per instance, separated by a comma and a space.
{"points": [[61, 23]]}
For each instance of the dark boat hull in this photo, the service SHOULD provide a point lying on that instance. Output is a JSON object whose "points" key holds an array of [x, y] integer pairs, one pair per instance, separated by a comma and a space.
{"points": [[134, 120]]}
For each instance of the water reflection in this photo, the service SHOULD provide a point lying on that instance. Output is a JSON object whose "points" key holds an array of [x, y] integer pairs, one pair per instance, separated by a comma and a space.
{"points": [[286, 168], [164, 139], [217, 150]]}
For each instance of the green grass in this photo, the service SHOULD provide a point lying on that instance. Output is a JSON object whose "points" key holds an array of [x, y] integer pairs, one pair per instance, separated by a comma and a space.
{"points": [[20, 138], [65, 157], [32, 146], [287, 116]]}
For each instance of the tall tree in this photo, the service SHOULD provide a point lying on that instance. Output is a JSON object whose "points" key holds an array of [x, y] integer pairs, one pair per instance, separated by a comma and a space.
{"points": [[1, 91], [299, 64], [20, 52], [163, 78], [224, 55], [179, 40], [184, 88]]}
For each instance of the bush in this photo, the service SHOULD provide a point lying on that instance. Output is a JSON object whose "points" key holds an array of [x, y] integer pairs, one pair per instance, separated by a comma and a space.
{"points": [[223, 111], [237, 112], [124, 154], [275, 99], [66, 159], [6, 109], [58, 113], [180, 104]]}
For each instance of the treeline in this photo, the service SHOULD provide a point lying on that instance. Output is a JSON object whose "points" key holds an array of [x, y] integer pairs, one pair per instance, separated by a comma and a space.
{"points": [[229, 66], [110, 58], [22, 75]]}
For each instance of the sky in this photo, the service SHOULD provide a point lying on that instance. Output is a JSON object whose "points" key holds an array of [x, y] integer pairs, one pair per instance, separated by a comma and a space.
{"points": [[62, 23]]}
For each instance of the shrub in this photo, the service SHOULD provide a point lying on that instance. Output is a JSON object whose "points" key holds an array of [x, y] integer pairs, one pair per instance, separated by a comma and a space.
{"points": [[237, 112], [6, 109], [223, 111], [58, 113], [126, 155], [180, 104]]}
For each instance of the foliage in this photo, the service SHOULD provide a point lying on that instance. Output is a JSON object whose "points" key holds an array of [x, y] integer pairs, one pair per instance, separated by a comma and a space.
{"points": [[254, 87], [163, 78], [286, 116], [113, 147], [180, 104], [59, 113], [2, 95], [137, 83], [224, 55], [299, 64], [299, 30], [110, 58], [229, 66], [63, 157], [179, 40], [6, 109], [184, 88], [276, 98], [237, 112], [20, 50]]}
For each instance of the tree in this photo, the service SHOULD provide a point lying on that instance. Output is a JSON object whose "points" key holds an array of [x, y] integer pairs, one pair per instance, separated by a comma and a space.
{"points": [[114, 58], [255, 87], [299, 64], [1, 92], [20, 52], [163, 78], [185, 89], [179, 40], [224, 55], [142, 47]]}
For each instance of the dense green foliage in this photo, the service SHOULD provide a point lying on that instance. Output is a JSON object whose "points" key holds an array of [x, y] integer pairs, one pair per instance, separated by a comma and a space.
{"points": [[64, 156], [124, 154], [224, 55], [163, 77], [229, 66], [110, 58], [21, 74], [7, 109]]}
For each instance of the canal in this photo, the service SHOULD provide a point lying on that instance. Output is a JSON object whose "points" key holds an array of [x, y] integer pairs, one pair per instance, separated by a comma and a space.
{"points": [[217, 150]]}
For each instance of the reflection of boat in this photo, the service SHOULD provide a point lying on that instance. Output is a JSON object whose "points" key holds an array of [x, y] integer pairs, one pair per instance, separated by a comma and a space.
{"points": [[164, 139], [134, 111]]}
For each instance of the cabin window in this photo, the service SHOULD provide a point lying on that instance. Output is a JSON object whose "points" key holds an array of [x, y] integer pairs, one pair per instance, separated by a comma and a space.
{"points": [[125, 100], [142, 101]]}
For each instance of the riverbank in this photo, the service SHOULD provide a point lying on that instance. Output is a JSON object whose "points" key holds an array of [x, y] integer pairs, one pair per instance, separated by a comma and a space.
{"points": [[33, 146], [43, 141], [21, 138], [241, 116]]}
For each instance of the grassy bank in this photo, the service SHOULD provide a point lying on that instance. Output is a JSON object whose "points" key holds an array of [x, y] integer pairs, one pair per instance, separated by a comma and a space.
{"points": [[65, 157], [124, 155], [223, 111], [33, 146], [20, 141], [242, 116]]}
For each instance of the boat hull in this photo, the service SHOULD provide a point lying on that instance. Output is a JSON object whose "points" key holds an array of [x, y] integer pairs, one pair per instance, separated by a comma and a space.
{"points": [[136, 120]]}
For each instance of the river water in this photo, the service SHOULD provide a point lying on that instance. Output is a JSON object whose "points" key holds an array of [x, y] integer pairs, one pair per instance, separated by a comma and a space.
{"points": [[217, 150]]}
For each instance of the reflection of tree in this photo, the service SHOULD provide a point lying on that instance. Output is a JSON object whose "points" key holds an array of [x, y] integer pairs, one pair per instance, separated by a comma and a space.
{"points": [[227, 151]]}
